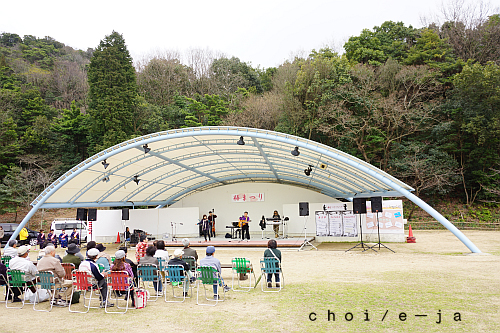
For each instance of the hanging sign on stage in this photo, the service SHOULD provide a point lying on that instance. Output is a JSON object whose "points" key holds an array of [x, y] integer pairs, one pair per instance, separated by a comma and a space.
{"points": [[321, 223], [336, 223], [247, 197]]}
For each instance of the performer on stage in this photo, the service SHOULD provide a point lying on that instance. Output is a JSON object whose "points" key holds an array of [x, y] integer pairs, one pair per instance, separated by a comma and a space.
{"points": [[63, 239], [205, 227], [276, 227], [51, 237], [244, 226], [76, 236], [211, 218]]}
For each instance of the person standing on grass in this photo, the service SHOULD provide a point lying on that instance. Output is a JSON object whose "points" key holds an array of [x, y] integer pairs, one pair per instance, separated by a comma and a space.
{"points": [[23, 236]]}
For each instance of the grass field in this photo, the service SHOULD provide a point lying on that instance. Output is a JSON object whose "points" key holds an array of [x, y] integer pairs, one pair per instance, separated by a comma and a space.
{"points": [[436, 277]]}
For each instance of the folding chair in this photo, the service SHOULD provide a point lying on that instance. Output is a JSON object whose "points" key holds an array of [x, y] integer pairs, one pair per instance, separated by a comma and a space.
{"points": [[68, 270], [3, 283], [45, 281], [270, 265], [150, 273], [175, 274], [83, 282], [16, 279], [192, 264], [5, 260], [122, 282], [242, 266], [208, 275]]}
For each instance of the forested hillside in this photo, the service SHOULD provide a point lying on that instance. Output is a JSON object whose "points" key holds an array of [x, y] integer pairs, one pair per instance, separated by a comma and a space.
{"points": [[422, 104]]}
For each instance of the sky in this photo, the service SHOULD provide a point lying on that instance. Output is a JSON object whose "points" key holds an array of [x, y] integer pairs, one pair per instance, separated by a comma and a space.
{"points": [[263, 33]]}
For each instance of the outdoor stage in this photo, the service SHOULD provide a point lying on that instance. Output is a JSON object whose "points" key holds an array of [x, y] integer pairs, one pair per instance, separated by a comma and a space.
{"points": [[227, 242]]}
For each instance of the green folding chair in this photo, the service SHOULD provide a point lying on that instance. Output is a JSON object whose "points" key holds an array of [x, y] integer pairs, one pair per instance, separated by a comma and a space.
{"points": [[270, 265], [5, 260], [208, 275], [175, 276], [192, 264], [242, 266], [45, 281], [150, 273], [16, 279]]}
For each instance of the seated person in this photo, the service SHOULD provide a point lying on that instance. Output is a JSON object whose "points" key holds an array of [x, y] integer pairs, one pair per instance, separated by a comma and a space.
{"points": [[49, 263], [52, 238], [71, 256], [90, 267], [140, 249], [23, 263], [121, 265], [131, 263], [103, 258], [188, 251], [63, 239], [273, 252], [3, 276], [78, 254], [149, 258], [40, 238], [210, 260], [11, 251], [75, 235], [161, 252], [177, 260]]}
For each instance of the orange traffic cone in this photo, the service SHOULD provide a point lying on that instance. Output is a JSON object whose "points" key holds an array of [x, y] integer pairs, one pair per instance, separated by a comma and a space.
{"points": [[118, 238], [410, 238]]}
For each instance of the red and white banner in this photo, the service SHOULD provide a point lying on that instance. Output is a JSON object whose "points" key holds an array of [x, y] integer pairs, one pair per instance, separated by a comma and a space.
{"points": [[247, 197]]}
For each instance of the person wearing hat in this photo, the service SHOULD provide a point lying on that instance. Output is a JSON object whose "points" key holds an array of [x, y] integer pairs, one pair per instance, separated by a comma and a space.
{"points": [[22, 263], [120, 264], [90, 267], [210, 260], [103, 258], [71, 257], [188, 251], [11, 250], [177, 260]]}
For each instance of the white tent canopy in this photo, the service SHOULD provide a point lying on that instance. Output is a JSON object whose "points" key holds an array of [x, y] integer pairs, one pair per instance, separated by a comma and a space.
{"points": [[161, 168]]}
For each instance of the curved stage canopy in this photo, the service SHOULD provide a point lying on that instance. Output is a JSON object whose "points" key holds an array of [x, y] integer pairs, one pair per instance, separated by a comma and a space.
{"points": [[161, 168]]}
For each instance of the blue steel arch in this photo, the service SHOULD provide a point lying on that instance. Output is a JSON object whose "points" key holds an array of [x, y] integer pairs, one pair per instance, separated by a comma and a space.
{"points": [[360, 169]]}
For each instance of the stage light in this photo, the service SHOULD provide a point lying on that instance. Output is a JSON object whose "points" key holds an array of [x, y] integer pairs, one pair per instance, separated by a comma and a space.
{"points": [[105, 164], [136, 179], [146, 149], [296, 151], [308, 170], [105, 179], [240, 141]]}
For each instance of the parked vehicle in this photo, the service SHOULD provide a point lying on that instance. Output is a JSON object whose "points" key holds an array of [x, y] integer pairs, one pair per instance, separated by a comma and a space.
{"points": [[9, 229], [68, 225]]}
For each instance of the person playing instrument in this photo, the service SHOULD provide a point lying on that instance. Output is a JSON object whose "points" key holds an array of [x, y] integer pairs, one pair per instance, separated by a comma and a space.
{"points": [[205, 227], [276, 227], [245, 229], [211, 218]]}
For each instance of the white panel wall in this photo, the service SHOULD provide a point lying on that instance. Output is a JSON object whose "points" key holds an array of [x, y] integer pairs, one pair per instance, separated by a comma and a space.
{"points": [[107, 226], [277, 197], [185, 220]]}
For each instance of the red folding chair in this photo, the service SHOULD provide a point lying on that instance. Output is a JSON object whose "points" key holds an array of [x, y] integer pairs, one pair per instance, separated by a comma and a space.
{"points": [[119, 281], [68, 270], [83, 282]]}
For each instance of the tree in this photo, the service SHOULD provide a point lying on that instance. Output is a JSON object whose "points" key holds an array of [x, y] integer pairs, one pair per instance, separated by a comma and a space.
{"points": [[112, 93]]}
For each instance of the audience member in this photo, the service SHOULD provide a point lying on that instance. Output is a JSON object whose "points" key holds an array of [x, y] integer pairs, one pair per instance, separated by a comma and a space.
{"points": [[140, 249], [120, 264], [22, 263], [188, 251], [273, 252], [103, 258], [50, 264], [161, 252], [11, 250], [150, 259], [210, 260], [71, 255], [90, 267], [177, 260]]}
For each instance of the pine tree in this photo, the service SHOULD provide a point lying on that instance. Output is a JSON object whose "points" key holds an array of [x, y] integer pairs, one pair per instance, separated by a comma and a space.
{"points": [[113, 92]]}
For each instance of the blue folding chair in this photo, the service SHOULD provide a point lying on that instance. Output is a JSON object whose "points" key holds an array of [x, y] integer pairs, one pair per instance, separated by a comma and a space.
{"points": [[45, 281], [270, 265], [176, 277], [150, 273]]}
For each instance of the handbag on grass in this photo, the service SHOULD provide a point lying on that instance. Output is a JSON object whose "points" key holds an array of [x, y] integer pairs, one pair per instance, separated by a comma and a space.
{"points": [[141, 298]]}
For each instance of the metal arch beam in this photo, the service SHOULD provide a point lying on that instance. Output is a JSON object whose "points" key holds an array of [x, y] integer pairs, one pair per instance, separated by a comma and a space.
{"points": [[234, 131], [182, 165], [263, 154]]}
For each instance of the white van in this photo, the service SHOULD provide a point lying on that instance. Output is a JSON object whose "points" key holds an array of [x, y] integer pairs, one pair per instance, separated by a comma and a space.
{"points": [[68, 225]]}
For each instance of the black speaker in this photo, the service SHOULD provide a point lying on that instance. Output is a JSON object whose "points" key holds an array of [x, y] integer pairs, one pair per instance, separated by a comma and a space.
{"points": [[92, 214], [81, 214], [125, 213], [359, 205], [303, 208], [376, 204]]}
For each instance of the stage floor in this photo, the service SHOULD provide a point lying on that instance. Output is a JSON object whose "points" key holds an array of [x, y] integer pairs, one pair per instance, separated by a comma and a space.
{"points": [[226, 242]]}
